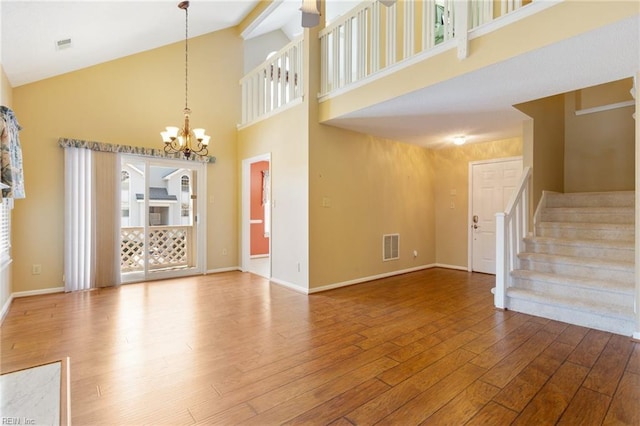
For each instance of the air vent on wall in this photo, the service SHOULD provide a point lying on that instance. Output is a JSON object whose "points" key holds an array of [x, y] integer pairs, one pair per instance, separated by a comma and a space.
{"points": [[63, 44], [390, 247]]}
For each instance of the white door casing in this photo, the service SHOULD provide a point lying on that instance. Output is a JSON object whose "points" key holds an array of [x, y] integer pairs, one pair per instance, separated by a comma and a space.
{"points": [[491, 185], [245, 250]]}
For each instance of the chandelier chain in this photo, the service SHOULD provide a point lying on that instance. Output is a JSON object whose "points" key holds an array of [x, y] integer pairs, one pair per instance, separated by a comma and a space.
{"points": [[186, 140], [186, 58]]}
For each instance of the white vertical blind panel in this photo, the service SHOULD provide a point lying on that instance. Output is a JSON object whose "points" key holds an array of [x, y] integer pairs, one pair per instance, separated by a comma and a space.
{"points": [[78, 219]]}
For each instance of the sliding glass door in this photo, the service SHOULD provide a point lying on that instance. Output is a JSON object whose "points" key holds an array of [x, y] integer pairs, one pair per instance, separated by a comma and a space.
{"points": [[161, 221]]}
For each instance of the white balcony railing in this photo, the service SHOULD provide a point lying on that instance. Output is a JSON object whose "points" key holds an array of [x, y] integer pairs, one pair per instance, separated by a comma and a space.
{"points": [[511, 228], [168, 247], [274, 84], [372, 37]]}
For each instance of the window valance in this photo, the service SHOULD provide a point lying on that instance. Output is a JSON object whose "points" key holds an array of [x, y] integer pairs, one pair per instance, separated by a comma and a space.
{"points": [[125, 149]]}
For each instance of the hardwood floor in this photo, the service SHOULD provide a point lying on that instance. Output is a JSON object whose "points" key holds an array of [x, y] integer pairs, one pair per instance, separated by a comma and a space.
{"points": [[421, 348]]}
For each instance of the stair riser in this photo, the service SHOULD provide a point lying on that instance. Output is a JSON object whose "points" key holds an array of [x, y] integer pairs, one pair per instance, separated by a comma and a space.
{"points": [[578, 293], [586, 234], [626, 199], [606, 253], [554, 216], [585, 319], [625, 276]]}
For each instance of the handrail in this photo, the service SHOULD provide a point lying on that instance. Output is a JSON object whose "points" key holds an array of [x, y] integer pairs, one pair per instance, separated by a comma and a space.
{"points": [[512, 226], [274, 83]]}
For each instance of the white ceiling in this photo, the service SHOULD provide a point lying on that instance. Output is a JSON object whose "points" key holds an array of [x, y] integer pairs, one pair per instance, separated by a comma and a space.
{"points": [[476, 104]]}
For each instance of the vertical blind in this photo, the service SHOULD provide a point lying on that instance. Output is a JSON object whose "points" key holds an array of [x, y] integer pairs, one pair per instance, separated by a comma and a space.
{"points": [[5, 231], [78, 262]]}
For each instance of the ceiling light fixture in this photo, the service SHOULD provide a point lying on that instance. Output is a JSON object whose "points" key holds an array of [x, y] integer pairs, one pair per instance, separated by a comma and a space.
{"points": [[459, 140], [388, 3], [185, 140], [310, 13]]}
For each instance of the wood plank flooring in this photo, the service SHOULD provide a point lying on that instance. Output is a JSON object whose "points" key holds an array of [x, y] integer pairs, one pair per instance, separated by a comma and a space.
{"points": [[421, 348]]}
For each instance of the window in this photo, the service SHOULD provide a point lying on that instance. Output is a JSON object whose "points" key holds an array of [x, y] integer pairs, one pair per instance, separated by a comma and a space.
{"points": [[5, 231], [185, 196], [125, 182]]}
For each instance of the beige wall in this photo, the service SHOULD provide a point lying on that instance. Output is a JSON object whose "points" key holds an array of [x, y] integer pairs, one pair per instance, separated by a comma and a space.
{"points": [[451, 168], [284, 136], [599, 148], [373, 187], [126, 101], [546, 134]]}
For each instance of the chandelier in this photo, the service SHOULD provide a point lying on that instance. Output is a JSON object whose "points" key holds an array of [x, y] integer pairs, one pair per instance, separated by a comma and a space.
{"points": [[185, 140]]}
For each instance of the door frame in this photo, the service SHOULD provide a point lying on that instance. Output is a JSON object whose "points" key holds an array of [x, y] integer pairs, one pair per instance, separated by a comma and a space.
{"points": [[470, 203], [200, 217], [245, 251]]}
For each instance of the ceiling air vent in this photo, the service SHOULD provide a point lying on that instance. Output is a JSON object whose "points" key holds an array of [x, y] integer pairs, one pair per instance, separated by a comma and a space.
{"points": [[63, 44], [390, 247]]}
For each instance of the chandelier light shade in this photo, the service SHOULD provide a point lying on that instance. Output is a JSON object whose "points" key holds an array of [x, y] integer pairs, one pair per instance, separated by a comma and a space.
{"points": [[185, 140], [388, 3]]}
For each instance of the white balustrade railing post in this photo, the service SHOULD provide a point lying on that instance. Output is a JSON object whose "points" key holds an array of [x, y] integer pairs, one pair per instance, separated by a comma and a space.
{"points": [[362, 44], [390, 35], [428, 24], [335, 56], [375, 37], [501, 264], [408, 29], [461, 28]]}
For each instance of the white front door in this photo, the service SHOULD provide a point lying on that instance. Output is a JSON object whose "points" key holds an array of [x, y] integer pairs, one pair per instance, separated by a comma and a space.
{"points": [[491, 186]]}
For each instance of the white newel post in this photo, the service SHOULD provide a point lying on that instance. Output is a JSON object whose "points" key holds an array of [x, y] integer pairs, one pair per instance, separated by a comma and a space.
{"points": [[501, 264]]}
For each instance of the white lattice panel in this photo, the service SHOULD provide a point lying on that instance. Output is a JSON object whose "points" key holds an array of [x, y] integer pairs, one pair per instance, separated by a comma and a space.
{"points": [[132, 250], [168, 248]]}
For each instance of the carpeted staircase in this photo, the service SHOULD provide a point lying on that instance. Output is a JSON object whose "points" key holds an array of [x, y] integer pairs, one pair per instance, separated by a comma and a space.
{"points": [[579, 266]]}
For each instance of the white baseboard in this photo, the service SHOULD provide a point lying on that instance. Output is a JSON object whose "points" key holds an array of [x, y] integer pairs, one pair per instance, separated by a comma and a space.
{"points": [[636, 336], [5, 308], [218, 270], [38, 292], [289, 285], [369, 278], [444, 265]]}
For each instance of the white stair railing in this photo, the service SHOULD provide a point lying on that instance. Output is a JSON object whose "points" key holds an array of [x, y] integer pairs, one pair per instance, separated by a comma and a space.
{"points": [[372, 37], [273, 84], [512, 226]]}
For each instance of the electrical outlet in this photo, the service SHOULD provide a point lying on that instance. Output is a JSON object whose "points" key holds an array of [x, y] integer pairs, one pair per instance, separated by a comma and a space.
{"points": [[224, 252], [36, 269]]}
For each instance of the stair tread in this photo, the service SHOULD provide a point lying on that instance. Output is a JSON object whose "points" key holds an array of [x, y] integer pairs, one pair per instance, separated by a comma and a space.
{"points": [[576, 281], [609, 309], [626, 245], [589, 225], [593, 210], [590, 262]]}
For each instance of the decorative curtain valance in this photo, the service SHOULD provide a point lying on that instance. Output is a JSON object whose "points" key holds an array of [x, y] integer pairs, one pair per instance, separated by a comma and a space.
{"points": [[11, 172], [126, 149]]}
